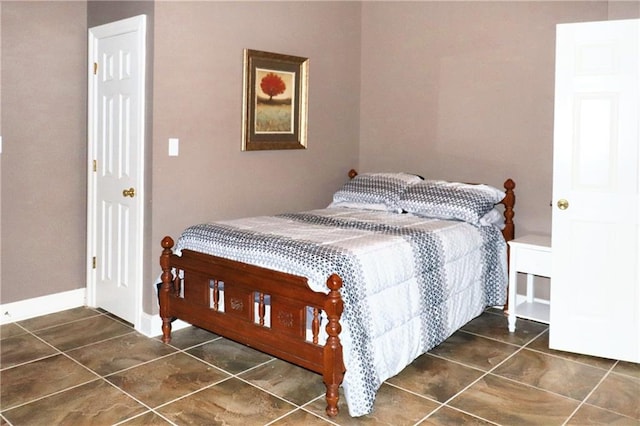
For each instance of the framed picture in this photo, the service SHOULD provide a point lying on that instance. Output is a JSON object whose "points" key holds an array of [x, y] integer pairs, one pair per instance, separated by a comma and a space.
{"points": [[275, 101]]}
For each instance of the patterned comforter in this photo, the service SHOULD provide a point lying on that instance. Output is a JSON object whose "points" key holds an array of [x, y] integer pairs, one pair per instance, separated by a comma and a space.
{"points": [[408, 282]]}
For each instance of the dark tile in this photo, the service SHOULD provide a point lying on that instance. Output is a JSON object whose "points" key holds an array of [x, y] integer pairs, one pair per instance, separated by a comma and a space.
{"points": [[510, 403], [541, 343], [551, 373], [27, 382], [393, 406], [23, 348], [166, 379], [147, 419], [631, 369], [287, 381], [58, 318], [229, 356], [473, 350], [40, 387], [190, 336], [83, 332], [495, 310], [231, 402], [447, 416], [618, 393], [117, 318], [588, 415], [494, 326], [10, 330], [300, 417], [96, 403], [435, 378], [119, 353]]}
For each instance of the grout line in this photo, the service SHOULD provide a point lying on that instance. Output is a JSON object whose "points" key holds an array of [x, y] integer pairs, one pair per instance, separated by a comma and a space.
{"points": [[141, 364], [51, 394], [238, 377], [503, 341], [192, 346], [305, 406], [565, 358], [297, 408], [96, 314], [270, 392], [142, 414], [17, 325], [3, 418], [98, 341], [57, 352], [559, 354], [31, 360], [486, 373], [584, 400], [475, 416], [149, 408], [212, 384], [456, 362]]}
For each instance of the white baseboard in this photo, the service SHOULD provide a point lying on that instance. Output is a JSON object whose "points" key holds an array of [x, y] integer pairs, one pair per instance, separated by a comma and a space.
{"points": [[151, 325], [43, 305]]}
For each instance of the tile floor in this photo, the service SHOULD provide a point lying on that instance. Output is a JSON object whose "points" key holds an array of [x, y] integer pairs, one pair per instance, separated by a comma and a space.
{"points": [[83, 366]]}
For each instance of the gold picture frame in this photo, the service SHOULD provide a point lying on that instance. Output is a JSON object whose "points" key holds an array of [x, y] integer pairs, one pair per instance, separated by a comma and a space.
{"points": [[274, 101]]}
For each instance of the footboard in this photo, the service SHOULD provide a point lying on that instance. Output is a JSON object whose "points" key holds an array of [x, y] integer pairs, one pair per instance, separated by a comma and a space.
{"points": [[272, 311]]}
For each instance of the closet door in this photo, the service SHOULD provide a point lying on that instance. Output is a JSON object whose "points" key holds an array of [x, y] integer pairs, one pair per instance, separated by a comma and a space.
{"points": [[595, 294]]}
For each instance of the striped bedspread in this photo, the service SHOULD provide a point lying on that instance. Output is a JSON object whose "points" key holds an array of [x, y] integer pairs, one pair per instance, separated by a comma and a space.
{"points": [[408, 282]]}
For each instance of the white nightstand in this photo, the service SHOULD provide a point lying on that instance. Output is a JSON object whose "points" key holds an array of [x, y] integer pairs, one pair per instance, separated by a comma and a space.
{"points": [[531, 255]]}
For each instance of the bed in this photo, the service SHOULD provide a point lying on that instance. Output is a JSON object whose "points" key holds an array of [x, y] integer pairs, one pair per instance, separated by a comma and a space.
{"points": [[356, 291]]}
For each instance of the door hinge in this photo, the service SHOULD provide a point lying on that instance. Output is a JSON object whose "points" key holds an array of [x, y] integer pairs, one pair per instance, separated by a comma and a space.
{"points": [[95, 68], [95, 165], [94, 262]]}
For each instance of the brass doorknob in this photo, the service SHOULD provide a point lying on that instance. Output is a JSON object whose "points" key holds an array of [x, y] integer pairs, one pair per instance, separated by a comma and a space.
{"points": [[129, 192], [563, 204]]}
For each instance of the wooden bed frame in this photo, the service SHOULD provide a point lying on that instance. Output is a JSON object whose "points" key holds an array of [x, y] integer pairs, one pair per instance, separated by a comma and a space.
{"points": [[194, 294]]}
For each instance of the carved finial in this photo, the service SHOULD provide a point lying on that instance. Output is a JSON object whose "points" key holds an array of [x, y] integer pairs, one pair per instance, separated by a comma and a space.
{"points": [[509, 184], [334, 282], [167, 242]]}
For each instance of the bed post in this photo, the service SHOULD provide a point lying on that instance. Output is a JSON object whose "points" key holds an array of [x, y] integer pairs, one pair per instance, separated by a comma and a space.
{"points": [[508, 232], [509, 201], [333, 369], [165, 264]]}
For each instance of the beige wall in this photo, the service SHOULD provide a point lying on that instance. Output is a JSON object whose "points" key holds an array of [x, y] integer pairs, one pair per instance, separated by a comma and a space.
{"points": [[468, 94], [43, 160], [447, 89], [0, 154], [624, 9], [198, 99]]}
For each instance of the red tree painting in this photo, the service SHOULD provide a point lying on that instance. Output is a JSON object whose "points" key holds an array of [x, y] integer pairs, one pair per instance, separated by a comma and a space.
{"points": [[272, 85]]}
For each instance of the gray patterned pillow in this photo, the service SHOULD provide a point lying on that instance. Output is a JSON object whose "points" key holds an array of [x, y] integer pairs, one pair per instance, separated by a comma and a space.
{"points": [[374, 191], [450, 200]]}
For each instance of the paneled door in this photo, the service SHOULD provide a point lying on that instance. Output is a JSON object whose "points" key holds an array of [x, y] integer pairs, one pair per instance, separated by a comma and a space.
{"points": [[116, 167], [595, 287]]}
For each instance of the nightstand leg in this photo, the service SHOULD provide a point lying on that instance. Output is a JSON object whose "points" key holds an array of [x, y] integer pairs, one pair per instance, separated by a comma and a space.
{"points": [[513, 289], [530, 288]]}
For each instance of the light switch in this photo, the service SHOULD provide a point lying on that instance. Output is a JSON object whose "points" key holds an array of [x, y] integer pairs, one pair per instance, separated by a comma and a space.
{"points": [[174, 144]]}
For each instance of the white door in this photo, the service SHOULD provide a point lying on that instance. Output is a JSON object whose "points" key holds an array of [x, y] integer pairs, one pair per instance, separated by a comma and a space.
{"points": [[116, 167], [595, 290]]}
